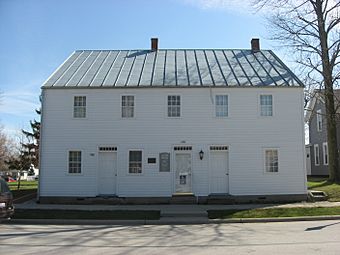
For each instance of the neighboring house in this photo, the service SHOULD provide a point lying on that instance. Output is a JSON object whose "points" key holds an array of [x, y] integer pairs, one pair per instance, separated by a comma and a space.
{"points": [[316, 119], [157, 123]]}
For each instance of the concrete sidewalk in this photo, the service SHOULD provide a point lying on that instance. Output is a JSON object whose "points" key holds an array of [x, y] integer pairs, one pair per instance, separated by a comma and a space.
{"points": [[171, 213], [171, 208]]}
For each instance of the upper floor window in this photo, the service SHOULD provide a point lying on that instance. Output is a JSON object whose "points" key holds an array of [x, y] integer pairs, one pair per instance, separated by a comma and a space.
{"points": [[266, 103], [221, 104], [128, 105], [325, 153], [174, 106], [271, 160], [135, 162], [74, 162], [316, 155], [79, 107], [319, 120]]}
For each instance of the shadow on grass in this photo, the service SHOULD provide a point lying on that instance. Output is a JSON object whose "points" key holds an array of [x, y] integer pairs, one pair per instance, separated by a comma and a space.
{"points": [[322, 184]]}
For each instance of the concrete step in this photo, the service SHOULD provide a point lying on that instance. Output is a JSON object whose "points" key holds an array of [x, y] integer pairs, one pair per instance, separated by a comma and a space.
{"points": [[183, 214], [223, 199], [185, 198], [316, 195]]}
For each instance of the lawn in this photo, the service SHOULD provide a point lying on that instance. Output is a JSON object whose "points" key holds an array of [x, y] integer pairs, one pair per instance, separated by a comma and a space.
{"points": [[26, 187], [332, 190], [273, 212], [82, 215]]}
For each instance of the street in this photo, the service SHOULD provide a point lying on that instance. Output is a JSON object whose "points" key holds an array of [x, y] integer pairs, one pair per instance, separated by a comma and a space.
{"points": [[311, 237]]}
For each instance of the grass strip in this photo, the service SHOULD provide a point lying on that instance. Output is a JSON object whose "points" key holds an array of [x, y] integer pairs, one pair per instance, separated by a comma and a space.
{"points": [[273, 212], [86, 215]]}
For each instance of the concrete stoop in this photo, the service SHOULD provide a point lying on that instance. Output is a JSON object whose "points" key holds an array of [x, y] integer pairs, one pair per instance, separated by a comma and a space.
{"points": [[221, 199], [185, 198], [316, 195], [184, 216]]}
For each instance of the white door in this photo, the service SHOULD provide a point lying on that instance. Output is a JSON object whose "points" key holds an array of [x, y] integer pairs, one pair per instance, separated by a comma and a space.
{"points": [[183, 172], [219, 172], [107, 172]]}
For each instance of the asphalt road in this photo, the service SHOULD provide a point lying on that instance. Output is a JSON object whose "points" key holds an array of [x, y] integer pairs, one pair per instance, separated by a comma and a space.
{"points": [[321, 237]]}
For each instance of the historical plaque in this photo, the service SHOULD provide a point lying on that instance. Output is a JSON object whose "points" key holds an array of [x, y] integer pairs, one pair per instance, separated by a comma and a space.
{"points": [[164, 162]]}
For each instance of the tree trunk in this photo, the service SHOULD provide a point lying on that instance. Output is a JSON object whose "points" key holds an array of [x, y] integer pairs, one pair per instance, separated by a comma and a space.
{"points": [[333, 165]]}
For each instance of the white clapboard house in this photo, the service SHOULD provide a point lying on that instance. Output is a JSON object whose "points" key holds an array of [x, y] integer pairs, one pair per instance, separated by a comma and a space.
{"points": [[165, 122]]}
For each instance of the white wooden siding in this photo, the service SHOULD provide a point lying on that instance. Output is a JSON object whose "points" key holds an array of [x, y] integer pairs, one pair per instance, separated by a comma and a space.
{"points": [[244, 131]]}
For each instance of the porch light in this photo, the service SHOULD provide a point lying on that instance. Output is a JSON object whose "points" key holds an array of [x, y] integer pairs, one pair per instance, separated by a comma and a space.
{"points": [[201, 153]]}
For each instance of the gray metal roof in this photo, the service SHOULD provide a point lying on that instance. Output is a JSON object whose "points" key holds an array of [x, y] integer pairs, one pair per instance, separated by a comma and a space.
{"points": [[210, 67]]}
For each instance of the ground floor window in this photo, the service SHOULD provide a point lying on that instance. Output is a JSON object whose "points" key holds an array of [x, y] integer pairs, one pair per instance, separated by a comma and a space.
{"points": [[74, 162], [271, 160], [135, 162], [325, 153], [316, 155]]}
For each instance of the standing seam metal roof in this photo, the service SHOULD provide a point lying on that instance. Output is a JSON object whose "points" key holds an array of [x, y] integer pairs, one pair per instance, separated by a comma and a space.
{"points": [[172, 67]]}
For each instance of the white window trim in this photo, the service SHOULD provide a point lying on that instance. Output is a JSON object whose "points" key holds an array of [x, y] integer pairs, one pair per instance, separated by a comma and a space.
{"points": [[86, 107], [228, 103], [180, 109], [324, 150], [82, 162], [128, 163], [121, 107], [259, 105], [316, 146], [319, 120], [264, 160]]}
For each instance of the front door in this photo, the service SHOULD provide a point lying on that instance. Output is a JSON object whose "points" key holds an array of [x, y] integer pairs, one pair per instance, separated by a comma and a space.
{"points": [[183, 172], [219, 172], [107, 172]]}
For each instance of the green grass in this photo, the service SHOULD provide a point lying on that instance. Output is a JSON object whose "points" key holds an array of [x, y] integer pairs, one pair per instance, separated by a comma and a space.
{"points": [[273, 212], [332, 190], [24, 185], [87, 215]]}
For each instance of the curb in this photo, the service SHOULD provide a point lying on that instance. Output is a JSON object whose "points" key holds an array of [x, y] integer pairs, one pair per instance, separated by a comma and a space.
{"points": [[166, 221], [277, 219]]}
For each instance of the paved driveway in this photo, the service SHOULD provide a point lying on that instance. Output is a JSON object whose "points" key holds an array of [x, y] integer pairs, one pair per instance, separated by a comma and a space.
{"points": [[254, 238]]}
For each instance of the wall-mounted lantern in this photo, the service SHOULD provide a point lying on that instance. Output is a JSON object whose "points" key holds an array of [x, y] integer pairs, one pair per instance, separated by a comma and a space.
{"points": [[201, 153]]}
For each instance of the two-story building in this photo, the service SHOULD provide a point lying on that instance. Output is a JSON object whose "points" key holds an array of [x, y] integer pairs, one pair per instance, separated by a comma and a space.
{"points": [[163, 122], [317, 149]]}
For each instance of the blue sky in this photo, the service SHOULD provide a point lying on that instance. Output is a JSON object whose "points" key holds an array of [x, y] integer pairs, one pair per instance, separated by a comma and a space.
{"points": [[38, 35]]}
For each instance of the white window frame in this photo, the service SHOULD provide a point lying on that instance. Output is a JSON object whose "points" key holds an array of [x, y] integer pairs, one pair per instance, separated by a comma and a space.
{"points": [[266, 165], [173, 106], [79, 162], [316, 155], [141, 162], [78, 107], [222, 108], [325, 153], [263, 113], [122, 108], [319, 120]]}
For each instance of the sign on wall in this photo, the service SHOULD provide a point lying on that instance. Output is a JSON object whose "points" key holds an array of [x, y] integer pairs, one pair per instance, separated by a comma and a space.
{"points": [[164, 162]]}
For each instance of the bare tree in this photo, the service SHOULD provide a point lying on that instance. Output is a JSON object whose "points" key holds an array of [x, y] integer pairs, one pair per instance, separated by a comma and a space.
{"points": [[311, 29]]}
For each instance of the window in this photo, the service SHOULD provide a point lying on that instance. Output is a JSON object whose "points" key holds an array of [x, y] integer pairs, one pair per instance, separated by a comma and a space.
{"points": [[79, 107], [325, 153], [74, 162], [174, 106], [128, 104], [316, 155], [319, 120], [271, 160], [221, 103], [135, 162], [266, 102]]}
